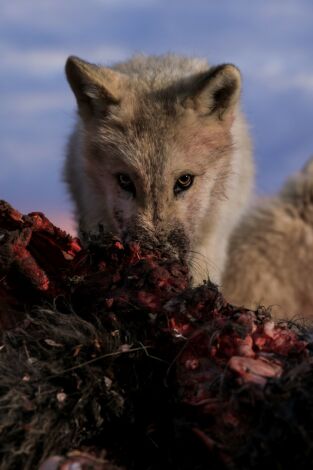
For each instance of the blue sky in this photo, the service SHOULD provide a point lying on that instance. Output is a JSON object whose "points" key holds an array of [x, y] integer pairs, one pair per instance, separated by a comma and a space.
{"points": [[270, 40]]}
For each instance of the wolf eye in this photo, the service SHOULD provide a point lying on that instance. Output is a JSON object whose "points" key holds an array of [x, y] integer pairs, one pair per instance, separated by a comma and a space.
{"points": [[183, 183], [126, 183]]}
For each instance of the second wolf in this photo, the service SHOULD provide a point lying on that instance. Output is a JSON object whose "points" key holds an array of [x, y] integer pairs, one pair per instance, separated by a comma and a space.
{"points": [[270, 259]]}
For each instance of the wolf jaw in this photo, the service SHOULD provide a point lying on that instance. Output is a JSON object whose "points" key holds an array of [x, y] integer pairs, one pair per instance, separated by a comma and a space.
{"points": [[143, 126]]}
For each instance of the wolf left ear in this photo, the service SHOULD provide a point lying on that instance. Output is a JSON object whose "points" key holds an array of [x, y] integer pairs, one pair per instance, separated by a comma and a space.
{"points": [[215, 93], [95, 88]]}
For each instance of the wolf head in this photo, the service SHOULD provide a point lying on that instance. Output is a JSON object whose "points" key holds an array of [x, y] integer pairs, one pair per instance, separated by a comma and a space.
{"points": [[153, 146]]}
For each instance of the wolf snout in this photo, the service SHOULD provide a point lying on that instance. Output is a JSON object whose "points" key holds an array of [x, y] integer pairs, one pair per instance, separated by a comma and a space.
{"points": [[173, 241]]}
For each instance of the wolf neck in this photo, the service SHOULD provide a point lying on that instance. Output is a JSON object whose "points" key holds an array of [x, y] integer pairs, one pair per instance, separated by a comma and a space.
{"points": [[210, 251]]}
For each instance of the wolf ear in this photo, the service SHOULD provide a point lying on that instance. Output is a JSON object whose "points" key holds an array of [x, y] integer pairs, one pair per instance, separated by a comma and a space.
{"points": [[216, 92], [95, 88]]}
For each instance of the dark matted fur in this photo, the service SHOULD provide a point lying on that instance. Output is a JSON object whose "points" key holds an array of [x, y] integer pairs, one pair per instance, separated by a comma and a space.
{"points": [[34, 423]]}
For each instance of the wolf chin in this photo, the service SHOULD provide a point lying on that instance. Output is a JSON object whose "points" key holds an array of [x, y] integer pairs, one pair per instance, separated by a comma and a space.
{"points": [[160, 146]]}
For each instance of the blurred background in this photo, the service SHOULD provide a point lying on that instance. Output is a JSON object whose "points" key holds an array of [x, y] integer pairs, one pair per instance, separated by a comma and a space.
{"points": [[271, 41]]}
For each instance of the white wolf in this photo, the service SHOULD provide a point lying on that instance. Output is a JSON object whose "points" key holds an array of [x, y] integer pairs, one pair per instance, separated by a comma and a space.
{"points": [[160, 144]]}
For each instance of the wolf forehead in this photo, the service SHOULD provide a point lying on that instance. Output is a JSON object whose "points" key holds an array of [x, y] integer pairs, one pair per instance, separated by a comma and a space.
{"points": [[140, 135]]}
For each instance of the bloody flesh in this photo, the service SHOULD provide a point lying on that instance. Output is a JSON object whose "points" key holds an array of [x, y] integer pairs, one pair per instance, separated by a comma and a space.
{"points": [[108, 352]]}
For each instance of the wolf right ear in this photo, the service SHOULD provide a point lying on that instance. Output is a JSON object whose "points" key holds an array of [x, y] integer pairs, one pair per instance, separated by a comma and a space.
{"points": [[95, 88], [216, 92]]}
